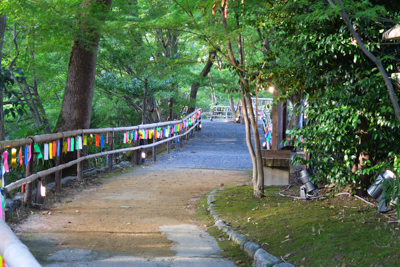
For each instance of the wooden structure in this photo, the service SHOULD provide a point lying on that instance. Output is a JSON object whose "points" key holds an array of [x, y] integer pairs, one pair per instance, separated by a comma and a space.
{"points": [[186, 126], [392, 34]]}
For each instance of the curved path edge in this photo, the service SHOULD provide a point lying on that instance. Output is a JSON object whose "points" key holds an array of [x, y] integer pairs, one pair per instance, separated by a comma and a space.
{"points": [[261, 257]]}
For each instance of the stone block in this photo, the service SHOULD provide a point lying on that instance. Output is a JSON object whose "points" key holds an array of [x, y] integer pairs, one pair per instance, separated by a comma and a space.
{"points": [[264, 259], [283, 264], [251, 248]]}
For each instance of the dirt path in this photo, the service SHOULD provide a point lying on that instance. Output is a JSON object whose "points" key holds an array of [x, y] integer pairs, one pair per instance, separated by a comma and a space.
{"points": [[123, 216]]}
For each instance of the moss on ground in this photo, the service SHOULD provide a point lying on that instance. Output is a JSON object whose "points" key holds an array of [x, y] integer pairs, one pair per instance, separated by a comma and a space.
{"points": [[338, 231]]}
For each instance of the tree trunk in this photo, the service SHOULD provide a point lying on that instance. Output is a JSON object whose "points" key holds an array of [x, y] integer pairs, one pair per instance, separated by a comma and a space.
{"points": [[76, 107], [3, 23], [233, 110], [259, 183], [34, 113], [363, 157], [248, 140], [144, 102], [170, 111], [295, 118], [196, 85]]}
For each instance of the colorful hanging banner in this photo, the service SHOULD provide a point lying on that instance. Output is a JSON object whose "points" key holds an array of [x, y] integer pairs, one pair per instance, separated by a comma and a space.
{"points": [[102, 141], [77, 143], [80, 146], [85, 140], [54, 148], [50, 150], [72, 147], [107, 138], [20, 157], [37, 151], [58, 148], [91, 140], [124, 139], [69, 144], [150, 134], [14, 158], [26, 155], [97, 140], [65, 147], [135, 135], [46, 151]]}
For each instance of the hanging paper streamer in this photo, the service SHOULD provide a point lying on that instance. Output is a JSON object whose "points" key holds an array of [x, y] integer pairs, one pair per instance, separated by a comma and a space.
{"points": [[155, 134], [26, 155], [150, 134], [50, 150], [135, 135], [69, 144], [127, 137], [20, 157], [72, 144], [91, 140], [97, 140], [161, 133], [77, 143], [107, 138], [46, 151], [65, 147], [80, 145], [14, 158], [30, 153], [85, 140], [102, 141], [54, 148], [124, 138], [58, 148], [37, 151]]}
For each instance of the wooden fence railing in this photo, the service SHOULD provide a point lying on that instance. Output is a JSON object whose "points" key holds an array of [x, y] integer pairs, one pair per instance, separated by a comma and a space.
{"points": [[70, 141]]}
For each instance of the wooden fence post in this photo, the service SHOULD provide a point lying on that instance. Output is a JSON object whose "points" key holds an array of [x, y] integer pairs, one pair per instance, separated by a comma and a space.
{"points": [[180, 139], [79, 165], [169, 142], [154, 147], [110, 148], [137, 151], [58, 175], [28, 172]]}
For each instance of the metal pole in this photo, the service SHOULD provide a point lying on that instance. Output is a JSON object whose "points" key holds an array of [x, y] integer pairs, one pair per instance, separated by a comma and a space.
{"points": [[58, 174]]}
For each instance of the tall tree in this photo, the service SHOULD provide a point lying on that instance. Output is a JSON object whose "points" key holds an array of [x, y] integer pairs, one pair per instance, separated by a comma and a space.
{"points": [[77, 103]]}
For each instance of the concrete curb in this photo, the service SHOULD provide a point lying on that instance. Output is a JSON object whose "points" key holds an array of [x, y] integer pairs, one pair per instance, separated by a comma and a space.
{"points": [[261, 257]]}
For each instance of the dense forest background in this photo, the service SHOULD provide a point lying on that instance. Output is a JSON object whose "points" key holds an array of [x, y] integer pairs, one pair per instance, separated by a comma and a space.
{"points": [[70, 64]]}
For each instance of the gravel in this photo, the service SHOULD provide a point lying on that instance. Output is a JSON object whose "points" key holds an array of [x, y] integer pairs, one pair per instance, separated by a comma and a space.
{"points": [[219, 145]]}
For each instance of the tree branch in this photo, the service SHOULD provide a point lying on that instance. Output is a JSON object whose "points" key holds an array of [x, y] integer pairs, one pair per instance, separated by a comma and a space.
{"points": [[374, 59]]}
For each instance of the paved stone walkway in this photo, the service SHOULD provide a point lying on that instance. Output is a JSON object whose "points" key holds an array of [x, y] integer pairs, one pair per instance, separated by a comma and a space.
{"points": [[219, 145]]}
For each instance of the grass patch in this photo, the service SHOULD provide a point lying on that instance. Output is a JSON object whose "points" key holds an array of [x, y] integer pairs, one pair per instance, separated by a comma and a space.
{"points": [[228, 248], [338, 231]]}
